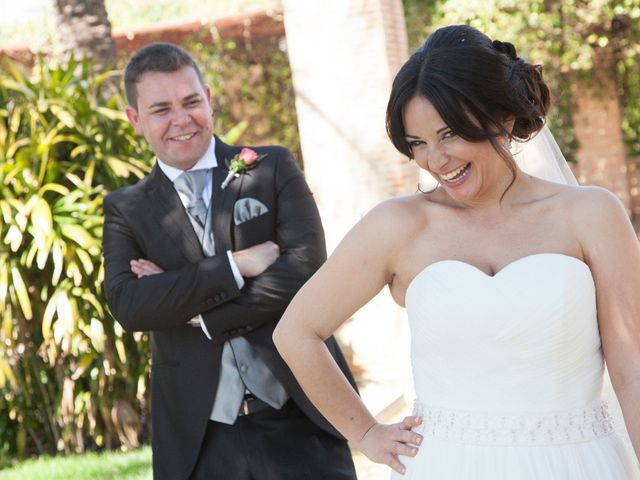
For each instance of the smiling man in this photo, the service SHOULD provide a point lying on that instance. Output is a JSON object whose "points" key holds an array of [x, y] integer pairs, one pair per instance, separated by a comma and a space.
{"points": [[198, 266]]}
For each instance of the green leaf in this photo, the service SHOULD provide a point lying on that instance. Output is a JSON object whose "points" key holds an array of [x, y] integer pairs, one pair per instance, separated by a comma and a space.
{"points": [[79, 150], [89, 297], [7, 324], [78, 234], [5, 208], [122, 354], [64, 326], [73, 272], [13, 238], [6, 374], [47, 317], [120, 168], [42, 221], [85, 260], [21, 292], [58, 262], [112, 114], [43, 254], [234, 133], [14, 122], [97, 334], [17, 87], [85, 362], [4, 281], [54, 187], [64, 116], [13, 147]]}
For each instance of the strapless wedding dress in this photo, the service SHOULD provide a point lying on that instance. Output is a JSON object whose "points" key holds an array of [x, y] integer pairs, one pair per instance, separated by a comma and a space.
{"points": [[508, 373]]}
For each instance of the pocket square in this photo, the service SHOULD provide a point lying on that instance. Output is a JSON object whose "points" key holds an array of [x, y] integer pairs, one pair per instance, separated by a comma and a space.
{"points": [[247, 208]]}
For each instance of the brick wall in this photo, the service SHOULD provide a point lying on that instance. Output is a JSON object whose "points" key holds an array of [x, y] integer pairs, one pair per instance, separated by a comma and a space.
{"points": [[240, 27], [597, 118], [634, 190]]}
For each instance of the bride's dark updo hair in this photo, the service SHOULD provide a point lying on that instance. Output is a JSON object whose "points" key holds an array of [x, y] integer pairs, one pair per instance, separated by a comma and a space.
{"points": [[475, 84]]}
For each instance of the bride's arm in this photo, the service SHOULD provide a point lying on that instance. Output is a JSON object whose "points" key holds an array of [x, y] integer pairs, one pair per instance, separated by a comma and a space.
{"points": [[357, 270], [613, 253]]}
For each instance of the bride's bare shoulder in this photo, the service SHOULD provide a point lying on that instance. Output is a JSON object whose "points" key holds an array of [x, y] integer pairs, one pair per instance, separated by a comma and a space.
{"points": [[577, 198], [589, 200], [592, 210], [404, 209]]}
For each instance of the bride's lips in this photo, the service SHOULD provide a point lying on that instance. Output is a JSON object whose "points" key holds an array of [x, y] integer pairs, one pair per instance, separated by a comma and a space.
{"points": [[457, 176]]}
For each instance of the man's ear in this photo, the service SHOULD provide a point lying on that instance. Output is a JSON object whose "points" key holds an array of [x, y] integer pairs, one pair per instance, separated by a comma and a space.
{"points": [[207, 92], [134, 118]]}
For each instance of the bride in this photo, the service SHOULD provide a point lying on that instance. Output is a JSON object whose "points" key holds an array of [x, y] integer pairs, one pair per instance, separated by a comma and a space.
{"points": [[517, 288]]}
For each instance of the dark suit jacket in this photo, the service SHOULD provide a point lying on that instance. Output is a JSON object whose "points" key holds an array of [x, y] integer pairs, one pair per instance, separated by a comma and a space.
{"points": [[147, 220]]}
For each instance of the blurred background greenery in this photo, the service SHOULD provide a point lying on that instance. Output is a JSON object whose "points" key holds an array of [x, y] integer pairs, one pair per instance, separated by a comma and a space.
{"points": [[561, 35]]}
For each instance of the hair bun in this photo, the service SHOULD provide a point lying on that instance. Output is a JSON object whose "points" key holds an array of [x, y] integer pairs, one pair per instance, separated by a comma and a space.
{"points": [[506, 48]]}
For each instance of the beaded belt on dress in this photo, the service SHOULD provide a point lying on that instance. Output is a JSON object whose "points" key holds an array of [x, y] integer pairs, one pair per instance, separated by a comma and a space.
{"points": [[481, 428]]}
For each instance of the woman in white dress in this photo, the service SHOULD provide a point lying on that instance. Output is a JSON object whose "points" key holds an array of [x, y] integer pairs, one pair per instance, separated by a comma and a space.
{"points": [[517, 288]]}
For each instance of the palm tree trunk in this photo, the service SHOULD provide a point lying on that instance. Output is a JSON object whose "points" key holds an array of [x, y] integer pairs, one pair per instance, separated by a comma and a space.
{"points": [[84, 30]]}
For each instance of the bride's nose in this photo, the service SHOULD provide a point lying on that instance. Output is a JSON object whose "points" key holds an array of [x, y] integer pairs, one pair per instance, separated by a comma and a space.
{"points": [[436, 159]]}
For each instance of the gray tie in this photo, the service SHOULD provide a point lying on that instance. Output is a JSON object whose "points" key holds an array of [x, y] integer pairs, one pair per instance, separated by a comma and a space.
{"points": [[241, 367], [191, 184]]}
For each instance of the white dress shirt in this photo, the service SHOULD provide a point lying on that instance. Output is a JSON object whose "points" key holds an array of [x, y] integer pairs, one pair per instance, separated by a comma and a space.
{"points": [[207, 162]]}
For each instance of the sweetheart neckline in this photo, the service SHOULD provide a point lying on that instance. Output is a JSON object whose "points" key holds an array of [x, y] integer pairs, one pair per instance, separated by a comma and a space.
{"points": [[497, 274]]}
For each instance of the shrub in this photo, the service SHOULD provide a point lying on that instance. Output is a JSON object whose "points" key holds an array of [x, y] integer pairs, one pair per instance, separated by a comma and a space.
{"points": [[66, 367]]}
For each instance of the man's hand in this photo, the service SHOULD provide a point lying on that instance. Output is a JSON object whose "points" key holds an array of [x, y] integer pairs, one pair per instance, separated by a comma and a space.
{"points": [[254, 260], [142, 267]]}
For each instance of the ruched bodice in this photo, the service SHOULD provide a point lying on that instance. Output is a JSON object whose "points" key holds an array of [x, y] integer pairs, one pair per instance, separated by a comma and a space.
{"points": [[524, 339], [508, 372]]}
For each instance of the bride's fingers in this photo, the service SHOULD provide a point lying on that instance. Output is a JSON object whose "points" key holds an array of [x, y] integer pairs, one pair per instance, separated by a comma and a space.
{"points": [[406, 434], [395, 464], [409, 437], [410, 422], [399, 448]]}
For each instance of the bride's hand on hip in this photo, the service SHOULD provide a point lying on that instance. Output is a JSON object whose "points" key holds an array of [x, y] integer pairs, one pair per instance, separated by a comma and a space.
{"points": [[383, 443]]}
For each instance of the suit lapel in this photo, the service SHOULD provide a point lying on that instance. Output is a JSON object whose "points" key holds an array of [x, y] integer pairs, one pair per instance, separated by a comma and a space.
{"points": [[223, 201], [171, 215]]}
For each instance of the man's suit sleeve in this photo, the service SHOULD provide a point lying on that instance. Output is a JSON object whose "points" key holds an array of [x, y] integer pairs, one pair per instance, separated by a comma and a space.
{"points": [[160, 301], [300, 236]]}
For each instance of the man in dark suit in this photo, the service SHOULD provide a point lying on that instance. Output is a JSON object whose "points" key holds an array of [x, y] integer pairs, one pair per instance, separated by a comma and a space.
{"points": [[209, 271]]}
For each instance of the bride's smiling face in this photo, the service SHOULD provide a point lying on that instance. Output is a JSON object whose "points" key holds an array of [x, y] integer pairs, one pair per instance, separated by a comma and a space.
{"points": [[469, 171]]}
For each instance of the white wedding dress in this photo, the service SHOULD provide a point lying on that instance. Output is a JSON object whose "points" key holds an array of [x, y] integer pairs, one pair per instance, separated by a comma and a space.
{"points": [[508, 373]]}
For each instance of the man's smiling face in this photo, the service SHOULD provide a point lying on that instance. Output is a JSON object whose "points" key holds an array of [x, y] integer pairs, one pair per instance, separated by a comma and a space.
{"points": [[173, 113]]}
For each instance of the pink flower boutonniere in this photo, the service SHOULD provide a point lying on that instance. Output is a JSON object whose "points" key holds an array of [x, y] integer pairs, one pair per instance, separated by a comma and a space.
{"points": [[245, 160]]}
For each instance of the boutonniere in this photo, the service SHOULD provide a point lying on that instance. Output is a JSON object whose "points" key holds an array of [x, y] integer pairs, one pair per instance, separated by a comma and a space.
{"points": [[245, 160]]}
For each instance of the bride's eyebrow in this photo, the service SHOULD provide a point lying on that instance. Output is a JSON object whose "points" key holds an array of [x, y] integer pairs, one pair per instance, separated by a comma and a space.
{"points": [[414, 137]]}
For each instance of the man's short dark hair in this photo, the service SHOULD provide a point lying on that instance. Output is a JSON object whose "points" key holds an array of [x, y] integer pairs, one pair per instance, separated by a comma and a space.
{"points": [[155, 57]]}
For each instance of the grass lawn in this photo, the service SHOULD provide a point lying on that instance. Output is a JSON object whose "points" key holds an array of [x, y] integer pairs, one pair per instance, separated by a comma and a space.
{"points": [[134, 465]]}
